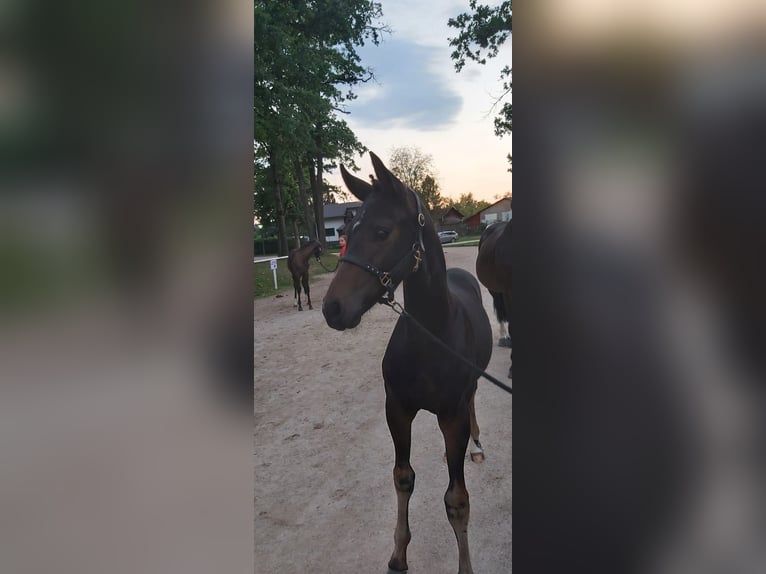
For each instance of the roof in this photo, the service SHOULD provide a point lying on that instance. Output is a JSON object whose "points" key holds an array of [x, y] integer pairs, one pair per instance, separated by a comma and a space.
{"points": [[486, 208], [338, 209], [442, 211]]}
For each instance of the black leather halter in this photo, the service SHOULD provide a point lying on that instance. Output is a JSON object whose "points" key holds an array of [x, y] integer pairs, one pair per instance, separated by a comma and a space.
{"points": [[390, 279]]}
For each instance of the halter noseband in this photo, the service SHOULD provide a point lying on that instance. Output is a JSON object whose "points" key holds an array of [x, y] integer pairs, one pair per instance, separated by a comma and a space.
{"points": [[391, 279]]}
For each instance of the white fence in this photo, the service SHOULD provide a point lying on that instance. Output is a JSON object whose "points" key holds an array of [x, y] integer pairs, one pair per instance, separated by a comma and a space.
{"points": [[273, 262]]}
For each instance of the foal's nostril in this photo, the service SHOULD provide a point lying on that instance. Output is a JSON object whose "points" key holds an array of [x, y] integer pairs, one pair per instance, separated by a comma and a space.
{"points": [[331, 311]]}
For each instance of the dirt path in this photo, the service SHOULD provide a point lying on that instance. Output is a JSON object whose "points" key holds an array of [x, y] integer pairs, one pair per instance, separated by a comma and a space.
{"points": [[324, 496]]}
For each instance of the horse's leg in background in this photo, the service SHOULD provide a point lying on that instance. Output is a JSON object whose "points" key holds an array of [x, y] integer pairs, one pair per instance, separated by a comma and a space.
{"points": [[305, 280], [456, 428], [505, 337], [297, 287], [400, 425], [474, 445], [501, 312]]}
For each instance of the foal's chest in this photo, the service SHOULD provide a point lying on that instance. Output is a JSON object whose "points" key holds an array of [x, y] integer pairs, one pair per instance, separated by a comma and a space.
{"points": [[422, 383]]}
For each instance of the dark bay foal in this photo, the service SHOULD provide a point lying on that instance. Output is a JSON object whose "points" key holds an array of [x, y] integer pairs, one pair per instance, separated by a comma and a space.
{"points": [[393, 240]]}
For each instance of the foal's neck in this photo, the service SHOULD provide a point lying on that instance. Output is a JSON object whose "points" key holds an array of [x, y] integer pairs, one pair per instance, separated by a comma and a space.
{"points": [[426, 296], [307, 251]]}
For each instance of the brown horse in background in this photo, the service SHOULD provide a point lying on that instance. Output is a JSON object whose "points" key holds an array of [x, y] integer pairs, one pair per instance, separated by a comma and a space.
{"points": [[493, 268], [298, 265], [392, 240]]}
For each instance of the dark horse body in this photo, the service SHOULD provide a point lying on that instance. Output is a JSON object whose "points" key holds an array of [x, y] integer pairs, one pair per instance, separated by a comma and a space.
{"points": [[392, 232], [298, 265], [493, 268]]}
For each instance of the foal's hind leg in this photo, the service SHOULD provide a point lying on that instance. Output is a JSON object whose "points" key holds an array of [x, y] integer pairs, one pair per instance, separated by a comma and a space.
{"points": [[400, 425], [474, 445], [297, 287], [456, 430], [305, 280]]}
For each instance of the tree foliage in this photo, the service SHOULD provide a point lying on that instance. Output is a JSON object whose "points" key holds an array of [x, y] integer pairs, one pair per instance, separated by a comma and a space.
{"points": [[430, 194], [481, 34], [305, 68], [410, 165], [415, 169], [468, 205]]}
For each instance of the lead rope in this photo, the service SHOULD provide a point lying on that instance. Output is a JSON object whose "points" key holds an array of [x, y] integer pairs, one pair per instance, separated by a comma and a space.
{"points": [[337, 262], [402, 312]]}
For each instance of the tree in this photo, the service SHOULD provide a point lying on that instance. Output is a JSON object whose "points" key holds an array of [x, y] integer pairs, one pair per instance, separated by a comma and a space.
{"points": [[415, 169], [279, 97], [481, 34], [468, 205], [410, 165], [305, 57], [334, 29], [429, 193]]}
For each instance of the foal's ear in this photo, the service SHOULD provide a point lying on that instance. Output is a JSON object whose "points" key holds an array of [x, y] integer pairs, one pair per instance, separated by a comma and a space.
{"points": [[360, 188], [388, 179]]}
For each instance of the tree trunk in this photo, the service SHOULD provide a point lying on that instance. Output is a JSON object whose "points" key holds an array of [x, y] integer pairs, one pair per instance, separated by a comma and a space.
{"points": [[277, 184], [316, 193], [320, 194], [308, 219], [297, 234]]}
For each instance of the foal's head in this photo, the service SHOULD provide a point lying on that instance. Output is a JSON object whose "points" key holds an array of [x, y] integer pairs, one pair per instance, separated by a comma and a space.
{"points": [[383, 240], [317, 251]]}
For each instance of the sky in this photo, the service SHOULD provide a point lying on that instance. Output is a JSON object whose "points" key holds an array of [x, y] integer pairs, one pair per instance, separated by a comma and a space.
{"points": [[417, 99]]}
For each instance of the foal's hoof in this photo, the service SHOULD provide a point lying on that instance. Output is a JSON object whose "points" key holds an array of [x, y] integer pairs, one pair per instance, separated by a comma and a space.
{"points": [[311, 308], [477, 457], [504, 342], [396, 566]]}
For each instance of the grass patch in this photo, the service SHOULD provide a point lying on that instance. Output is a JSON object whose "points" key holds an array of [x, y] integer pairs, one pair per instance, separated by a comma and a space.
{"points": [[464, 241], [263, 277]]}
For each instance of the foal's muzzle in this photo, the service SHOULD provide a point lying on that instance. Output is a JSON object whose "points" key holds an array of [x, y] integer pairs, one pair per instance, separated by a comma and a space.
{"points": [[338, 317]]}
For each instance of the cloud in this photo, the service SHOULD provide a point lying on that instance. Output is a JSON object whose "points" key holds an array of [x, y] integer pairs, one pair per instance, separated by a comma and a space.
{"points": [[409, 93]]}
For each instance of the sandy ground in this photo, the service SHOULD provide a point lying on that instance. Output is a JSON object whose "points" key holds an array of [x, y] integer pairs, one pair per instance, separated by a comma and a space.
{"points": [[324, 494]]}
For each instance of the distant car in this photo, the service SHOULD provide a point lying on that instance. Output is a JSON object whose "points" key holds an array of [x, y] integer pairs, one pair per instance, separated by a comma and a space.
{"points": [[447, 236]]}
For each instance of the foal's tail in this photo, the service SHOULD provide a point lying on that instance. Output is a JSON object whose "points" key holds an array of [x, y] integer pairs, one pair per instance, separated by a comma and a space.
{"points": [[499, 304]]}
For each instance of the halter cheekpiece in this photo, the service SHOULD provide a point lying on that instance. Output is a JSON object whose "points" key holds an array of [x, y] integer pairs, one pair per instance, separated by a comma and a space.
{"points": [[409, 263]]}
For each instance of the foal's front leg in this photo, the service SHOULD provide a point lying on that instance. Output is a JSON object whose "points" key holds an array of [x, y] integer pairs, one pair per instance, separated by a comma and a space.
{"points": [[474, 446], [400, 425], [456, 430]]}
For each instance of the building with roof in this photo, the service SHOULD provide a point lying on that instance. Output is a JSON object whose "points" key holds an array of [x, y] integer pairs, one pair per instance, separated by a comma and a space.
{"points": [[335, 217], [445, 217], [501, 210]]}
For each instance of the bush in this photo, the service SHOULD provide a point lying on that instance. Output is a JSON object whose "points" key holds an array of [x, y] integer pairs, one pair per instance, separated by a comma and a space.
{"points": [[270, 245]]}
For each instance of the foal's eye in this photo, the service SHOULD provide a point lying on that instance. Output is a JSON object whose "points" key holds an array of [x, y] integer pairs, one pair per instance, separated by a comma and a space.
{"points": [[381, 233]]}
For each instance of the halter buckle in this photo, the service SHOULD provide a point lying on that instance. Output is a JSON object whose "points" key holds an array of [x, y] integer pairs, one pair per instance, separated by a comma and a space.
{"points": [[385, 279], [418, 258], [421, 219]]}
